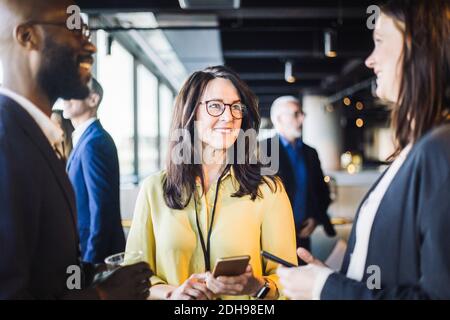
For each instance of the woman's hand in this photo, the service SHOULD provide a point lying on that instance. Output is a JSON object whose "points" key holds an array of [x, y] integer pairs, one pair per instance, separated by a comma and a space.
{"points": [[298, 283], [193, 288], [244, 284]]}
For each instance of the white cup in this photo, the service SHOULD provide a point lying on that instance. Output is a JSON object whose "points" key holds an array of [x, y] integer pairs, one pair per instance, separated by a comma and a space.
{"points": [[118, 260]]}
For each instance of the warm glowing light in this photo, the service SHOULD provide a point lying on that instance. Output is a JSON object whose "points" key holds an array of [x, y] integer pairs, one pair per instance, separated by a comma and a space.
{"points": [[347, 101], [356, 159], [290, 79], [351, 169], [359, 105], [326, 179], [359, 123]]}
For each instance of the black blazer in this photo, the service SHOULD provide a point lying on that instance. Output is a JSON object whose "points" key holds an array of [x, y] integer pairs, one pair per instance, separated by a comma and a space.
{"points": [[318, 193], [38, 235], [410, 238]]}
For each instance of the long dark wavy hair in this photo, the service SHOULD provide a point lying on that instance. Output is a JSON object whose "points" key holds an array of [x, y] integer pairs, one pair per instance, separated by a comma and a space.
{"points": [[424, 97], [180, 180]]}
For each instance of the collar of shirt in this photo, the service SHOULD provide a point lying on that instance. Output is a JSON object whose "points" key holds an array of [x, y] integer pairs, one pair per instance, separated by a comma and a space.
{"points": [[297, 145], [78, 132], [229, 173], [54, 134]]}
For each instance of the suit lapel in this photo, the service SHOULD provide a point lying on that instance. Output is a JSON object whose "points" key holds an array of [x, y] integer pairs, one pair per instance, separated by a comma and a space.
{"points": [[84, 136], [36, 135], [72, 154]]}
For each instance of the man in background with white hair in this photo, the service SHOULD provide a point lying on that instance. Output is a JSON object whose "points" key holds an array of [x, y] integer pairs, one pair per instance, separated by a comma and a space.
{"points": [[300, 171]]}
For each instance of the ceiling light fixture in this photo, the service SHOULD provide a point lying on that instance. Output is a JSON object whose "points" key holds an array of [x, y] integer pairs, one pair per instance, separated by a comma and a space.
{"points": [[288, 74], [209, 5], [330, 43]]}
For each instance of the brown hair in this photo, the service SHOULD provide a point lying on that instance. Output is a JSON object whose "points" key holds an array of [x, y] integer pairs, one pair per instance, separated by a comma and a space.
{"points": [[424, 94], [179, 181], [67, 128]]}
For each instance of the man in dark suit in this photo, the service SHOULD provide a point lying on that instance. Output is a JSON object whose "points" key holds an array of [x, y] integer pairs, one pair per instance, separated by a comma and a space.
{"points": [[43, 60], [299, 169], [93, 169]]}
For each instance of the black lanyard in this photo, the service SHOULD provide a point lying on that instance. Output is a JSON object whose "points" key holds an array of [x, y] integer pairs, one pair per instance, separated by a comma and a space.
{"points": [[207, 247]]}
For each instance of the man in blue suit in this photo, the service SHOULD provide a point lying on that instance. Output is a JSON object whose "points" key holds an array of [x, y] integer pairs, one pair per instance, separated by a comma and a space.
{"points": [[93, 169], [44, 61]]}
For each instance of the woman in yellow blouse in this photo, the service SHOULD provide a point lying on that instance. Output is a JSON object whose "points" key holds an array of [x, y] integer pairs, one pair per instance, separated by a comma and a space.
{"points": [[211, 202]]}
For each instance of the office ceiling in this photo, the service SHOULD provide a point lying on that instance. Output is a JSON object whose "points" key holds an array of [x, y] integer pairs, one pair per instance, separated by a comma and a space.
{"points": [[258, 39]]}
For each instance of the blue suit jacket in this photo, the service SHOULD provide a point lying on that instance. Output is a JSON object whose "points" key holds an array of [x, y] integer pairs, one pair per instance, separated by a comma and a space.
{"points": [[38, 235], [93, 169]]}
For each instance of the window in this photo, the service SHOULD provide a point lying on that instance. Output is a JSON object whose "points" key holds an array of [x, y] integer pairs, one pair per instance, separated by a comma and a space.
{"points": [[166, 101], [136, 109], [147, 115], [116, 113]]}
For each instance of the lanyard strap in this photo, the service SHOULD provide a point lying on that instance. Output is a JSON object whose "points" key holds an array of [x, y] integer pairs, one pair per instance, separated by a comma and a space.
{"points": [[206, 248]]}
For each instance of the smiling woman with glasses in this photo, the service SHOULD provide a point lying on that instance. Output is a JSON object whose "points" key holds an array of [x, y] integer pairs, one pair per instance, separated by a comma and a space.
{"points": [[216, 108], [192, 214]]}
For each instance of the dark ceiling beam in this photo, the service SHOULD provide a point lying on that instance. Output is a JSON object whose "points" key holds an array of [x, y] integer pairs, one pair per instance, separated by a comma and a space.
{"points": [[267, 97], [279, 29], [277, 66], [171, 7], [287, 89], [365, 84], [224, 29], [270, 54], [295, 24], [294, 13], [250, 76], [282, 83], [265, 101]]}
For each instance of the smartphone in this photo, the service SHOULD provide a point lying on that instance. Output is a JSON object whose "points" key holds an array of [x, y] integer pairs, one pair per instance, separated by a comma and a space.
{"points": [[276, 259], [231, 266]]}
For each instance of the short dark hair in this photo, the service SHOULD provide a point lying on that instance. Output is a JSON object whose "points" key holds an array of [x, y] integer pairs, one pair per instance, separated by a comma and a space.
{"points": [[96, 88]]}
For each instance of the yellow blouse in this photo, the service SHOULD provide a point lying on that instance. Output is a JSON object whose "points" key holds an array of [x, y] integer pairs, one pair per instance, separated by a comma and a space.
{"points": [[169, 238]]}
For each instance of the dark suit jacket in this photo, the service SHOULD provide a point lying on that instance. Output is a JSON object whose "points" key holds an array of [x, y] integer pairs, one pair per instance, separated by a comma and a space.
{"points": [[38, 235], [93, 169], [410, 238], [317, 192]]}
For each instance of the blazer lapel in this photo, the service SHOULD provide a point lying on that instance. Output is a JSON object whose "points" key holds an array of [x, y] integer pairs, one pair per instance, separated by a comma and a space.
{"points": [[69, 161], [75, 151], [37, 136]]}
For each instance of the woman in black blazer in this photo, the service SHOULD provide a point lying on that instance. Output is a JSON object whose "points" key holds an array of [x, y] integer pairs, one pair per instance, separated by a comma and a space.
{"points": [[399, 247]]}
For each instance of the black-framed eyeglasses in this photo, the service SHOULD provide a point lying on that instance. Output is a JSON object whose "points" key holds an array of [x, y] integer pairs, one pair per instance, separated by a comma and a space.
{"points": [[216, 108], [83, 31]]}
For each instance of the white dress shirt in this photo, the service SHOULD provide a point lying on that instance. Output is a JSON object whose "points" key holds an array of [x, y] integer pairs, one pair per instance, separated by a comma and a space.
{"points": [[78, 132], [369, 208], [54, 134]]}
